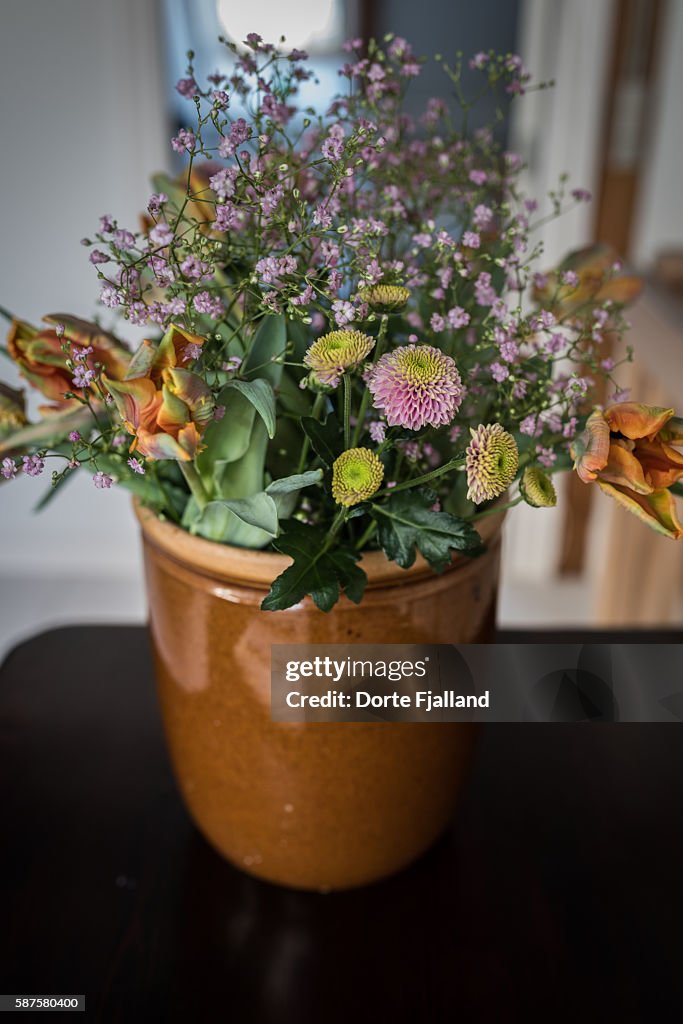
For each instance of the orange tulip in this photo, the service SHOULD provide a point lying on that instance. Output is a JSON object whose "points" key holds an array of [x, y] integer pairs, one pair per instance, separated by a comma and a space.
{"points": [[40, 356], [629, 451], [596, 283], [12, 409], [166, 408]]}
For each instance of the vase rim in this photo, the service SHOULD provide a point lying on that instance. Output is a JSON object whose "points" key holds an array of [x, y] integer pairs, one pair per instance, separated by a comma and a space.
{"points": [[259, 568]]}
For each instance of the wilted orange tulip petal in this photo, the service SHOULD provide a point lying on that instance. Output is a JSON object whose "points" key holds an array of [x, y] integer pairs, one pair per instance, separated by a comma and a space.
{"points": [[590, 450], [634, 420], [662, 464], [656, 510], [137, 401], [624, 469], [191, 389], [41, 357], [673, 431], [622, 290]]}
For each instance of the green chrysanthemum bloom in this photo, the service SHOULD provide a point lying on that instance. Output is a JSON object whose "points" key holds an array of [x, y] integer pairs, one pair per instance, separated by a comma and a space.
{"points": [[356, 475], [492, 460], [336, 352], [389, 297], [537, 488]]}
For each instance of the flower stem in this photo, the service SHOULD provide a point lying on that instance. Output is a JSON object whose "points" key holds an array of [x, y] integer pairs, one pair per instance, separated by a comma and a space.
{"points": [[194, 482], [337, 524], [347, 410], [493, 511], [365, 537], [425, 478], [365, 400], [318, 403]]}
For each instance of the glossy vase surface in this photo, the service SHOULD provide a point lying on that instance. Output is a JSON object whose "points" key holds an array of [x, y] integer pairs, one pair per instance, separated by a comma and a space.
{"points": [[315, 805]]}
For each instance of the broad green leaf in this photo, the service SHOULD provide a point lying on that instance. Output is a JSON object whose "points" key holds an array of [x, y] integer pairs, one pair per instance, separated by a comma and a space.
{"points": [[406, 522], [292, 399], [268, 345], [53, 491], [260, 393], [246, 475], [285, 490], [227, 439], [296, 482], [49, 431], [314, 571], [223, 520]]}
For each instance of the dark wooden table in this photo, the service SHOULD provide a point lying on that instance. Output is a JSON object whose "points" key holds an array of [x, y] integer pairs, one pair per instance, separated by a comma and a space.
{"points": [[558, 892]]}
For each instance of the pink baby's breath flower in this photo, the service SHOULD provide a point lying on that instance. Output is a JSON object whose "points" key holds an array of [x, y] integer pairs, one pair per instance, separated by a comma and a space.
{"points": [[546, 456], [377, 431], [482, 216], [136, 466], [187, 87], [416, 385], [161, 235], [102, 480], [33, 465], [184, 141], [8, 469]]}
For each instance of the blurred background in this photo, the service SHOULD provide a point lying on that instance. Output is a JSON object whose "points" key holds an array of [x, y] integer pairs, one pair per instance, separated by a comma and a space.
{"points": [[88, 111]]}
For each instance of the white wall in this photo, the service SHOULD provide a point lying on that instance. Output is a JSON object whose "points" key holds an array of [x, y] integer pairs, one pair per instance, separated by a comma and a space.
{"points": [[82, 125], [558, 130], [659, 222]]}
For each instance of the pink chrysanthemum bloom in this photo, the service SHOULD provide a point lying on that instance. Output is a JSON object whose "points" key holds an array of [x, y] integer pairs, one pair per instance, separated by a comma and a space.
{"points": [[491, 460], [416, 385]]}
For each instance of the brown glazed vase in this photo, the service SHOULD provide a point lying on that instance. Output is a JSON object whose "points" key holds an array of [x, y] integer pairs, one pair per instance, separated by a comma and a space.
{"points": [[316, 805]]}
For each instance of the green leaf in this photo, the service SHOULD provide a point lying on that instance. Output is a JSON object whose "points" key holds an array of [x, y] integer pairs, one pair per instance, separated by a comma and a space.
{"points": [[221, 520], [52, 492], [285, 490], [407, 522], [260, 393], [326, 438], [296, 482], [314, 571], [227, 439], [269, 343], [49, 431], [292, 399]]}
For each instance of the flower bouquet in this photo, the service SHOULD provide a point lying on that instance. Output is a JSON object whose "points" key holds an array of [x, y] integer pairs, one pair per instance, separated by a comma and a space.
{"points": [[353, 361], [350, 344]]}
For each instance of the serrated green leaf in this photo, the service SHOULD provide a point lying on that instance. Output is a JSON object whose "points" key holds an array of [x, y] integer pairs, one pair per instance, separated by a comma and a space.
{"points": [[326, 437], [260, 393], [406, 522], [315, 571]]}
